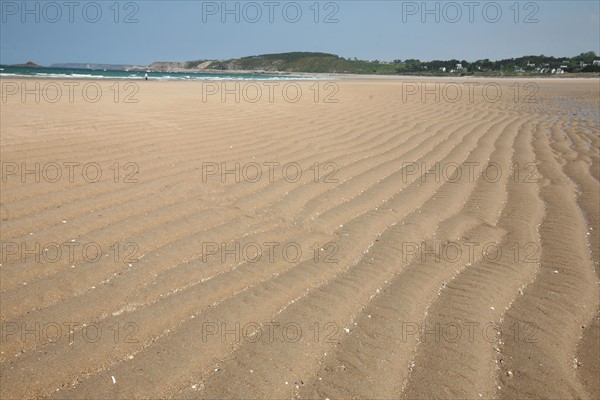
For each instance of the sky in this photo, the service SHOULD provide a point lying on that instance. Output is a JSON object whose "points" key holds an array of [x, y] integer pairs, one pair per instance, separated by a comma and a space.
{"points": [[141, 32]]}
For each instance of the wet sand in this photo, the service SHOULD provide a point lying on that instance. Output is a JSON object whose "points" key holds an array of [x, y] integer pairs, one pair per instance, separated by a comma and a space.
{"points": [[347, 239]]}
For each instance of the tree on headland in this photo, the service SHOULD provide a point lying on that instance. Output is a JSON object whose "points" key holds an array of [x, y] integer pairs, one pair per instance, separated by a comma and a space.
{"points": [[309, 62]]}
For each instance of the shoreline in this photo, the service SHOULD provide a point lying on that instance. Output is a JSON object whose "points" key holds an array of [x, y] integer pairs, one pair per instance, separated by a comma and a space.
{"points": [[314, 77]]}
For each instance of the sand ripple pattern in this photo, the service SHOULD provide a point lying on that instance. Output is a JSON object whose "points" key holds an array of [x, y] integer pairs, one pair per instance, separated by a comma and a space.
{"points": [[407, 285]]}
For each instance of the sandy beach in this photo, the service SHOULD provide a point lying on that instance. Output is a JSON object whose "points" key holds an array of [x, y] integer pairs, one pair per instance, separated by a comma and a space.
{"points": [[358, 238]]}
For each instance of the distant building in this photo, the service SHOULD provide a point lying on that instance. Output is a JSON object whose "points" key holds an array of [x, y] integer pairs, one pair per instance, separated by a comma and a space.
{"points": [[443, 69], [459, 67], [596, 63]]}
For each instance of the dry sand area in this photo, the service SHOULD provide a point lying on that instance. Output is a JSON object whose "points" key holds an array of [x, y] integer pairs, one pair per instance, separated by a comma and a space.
{"points": [[191, 246]]}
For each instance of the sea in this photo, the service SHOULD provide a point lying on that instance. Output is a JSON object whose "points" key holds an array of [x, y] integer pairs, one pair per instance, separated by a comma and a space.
{"points": [[7, 71]]}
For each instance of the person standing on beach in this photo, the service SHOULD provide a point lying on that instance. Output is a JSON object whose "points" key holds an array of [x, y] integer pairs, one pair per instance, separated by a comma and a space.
{"points": [[146, 76]]}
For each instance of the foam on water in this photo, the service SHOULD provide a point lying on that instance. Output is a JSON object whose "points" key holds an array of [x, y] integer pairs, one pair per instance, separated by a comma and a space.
{"points": [[65, 73]]}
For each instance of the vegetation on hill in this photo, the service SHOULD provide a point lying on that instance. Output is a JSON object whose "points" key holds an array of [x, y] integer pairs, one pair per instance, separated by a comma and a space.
{"points": [[300, 62], [331, 63]]}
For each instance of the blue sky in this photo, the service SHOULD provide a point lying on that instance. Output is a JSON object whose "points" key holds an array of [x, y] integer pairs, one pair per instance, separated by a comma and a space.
{"points": [[384, 30]]}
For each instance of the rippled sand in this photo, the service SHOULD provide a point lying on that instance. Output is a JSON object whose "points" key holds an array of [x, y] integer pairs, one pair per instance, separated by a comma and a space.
{"points": [[326, 264]]}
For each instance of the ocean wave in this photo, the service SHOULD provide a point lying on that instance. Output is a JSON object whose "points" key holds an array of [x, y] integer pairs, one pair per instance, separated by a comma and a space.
{"points": [[43, 75]]}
